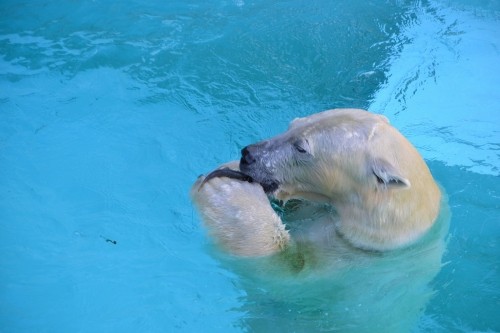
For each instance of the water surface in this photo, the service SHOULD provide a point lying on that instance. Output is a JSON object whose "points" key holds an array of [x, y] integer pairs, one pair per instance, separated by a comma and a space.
{"points": [[109, 111]]}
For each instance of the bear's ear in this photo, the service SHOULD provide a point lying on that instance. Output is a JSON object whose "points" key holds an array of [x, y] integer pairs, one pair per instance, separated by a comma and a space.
{"points": [[387, 175]]}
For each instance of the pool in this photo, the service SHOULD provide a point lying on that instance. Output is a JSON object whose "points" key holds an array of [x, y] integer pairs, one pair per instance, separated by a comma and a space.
{"points": [[109, 112]]}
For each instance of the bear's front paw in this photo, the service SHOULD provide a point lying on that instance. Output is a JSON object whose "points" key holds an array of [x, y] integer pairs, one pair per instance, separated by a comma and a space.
{"points": [[238, 215]]}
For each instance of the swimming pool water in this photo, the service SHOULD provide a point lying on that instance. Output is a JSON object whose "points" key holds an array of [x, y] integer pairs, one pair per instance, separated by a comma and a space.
{"points": [[110, 110]]}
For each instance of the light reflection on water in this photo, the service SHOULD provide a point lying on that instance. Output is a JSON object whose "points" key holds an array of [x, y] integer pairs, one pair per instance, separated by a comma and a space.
{"points": [[435, 92]]}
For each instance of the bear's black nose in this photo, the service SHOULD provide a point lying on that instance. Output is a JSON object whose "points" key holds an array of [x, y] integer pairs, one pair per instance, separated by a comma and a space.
{"points": [[246, 157]]}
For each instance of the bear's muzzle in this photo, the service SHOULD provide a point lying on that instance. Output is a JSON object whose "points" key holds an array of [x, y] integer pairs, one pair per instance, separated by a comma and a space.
{"points": [[251, 165]]}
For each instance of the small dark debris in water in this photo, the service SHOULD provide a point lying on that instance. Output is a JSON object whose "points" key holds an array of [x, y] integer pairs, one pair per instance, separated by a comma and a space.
{"points": [[109, 240]]}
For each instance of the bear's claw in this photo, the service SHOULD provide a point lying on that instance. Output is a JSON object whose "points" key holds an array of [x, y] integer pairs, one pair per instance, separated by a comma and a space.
{"points": [[229, 173]]}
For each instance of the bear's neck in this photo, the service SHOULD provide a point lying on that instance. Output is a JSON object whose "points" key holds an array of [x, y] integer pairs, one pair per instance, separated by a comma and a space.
{"points": [[387, 219]]}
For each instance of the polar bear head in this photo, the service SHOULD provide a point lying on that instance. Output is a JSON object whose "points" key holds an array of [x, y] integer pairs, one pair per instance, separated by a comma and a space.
{"points": [[328, 155], [358, 162]]}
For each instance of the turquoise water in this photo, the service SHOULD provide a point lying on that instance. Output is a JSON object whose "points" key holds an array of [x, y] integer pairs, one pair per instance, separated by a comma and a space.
{"points": [[110, 110]]}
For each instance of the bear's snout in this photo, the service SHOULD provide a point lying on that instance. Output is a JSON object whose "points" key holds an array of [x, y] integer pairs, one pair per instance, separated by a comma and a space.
{"points": [[247, 157], [255, 152], [252, 164]]}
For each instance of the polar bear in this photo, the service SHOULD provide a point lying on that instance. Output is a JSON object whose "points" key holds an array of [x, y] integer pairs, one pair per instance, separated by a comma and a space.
{"points": [[335, 225], [382, 192]]}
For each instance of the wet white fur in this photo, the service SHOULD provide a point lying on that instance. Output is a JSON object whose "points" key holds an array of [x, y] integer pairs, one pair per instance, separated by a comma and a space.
{"points": [[238, 216], [317, 267], [346, 146]]}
